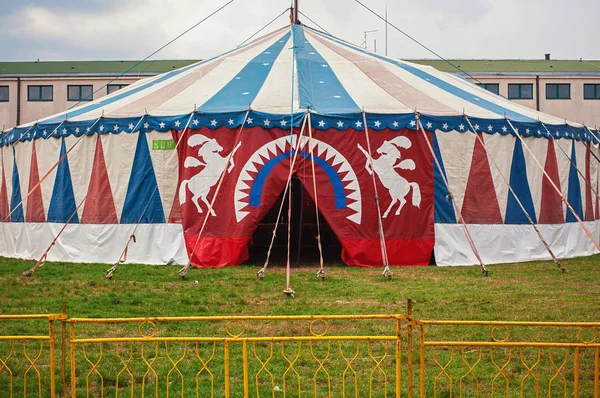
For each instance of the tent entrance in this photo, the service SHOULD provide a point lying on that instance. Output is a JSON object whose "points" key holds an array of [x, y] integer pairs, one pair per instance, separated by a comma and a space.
{"points": [[303, 234]]}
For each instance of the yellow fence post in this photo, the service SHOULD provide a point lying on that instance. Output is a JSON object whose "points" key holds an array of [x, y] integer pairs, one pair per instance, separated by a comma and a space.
{"points": [[245, 364], [52, 359], [410, 347], [597, 373], [226, 372], [64, 348], [72, 359], [398, 357]]}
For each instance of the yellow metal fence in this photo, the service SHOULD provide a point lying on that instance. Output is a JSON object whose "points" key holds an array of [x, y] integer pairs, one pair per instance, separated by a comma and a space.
{"points": [[296, 356]]}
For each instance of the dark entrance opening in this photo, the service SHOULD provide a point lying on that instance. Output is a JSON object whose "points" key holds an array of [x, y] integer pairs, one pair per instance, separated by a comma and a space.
{"points": [[303, 233]]}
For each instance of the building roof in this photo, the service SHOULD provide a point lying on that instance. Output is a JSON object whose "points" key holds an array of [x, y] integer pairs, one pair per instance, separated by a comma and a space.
{"points": [[161, 66], [90, 67], [513, 65]]}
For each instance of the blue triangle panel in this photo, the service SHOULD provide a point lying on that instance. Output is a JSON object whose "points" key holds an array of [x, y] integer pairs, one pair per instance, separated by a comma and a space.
{"points": [[142, 203], [574, 193], [62, 203], [520, 185], [443, 208], [16, 207]]}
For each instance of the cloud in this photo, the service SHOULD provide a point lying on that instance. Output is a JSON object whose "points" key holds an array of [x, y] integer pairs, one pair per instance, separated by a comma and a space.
{"points": [[132, 29]]}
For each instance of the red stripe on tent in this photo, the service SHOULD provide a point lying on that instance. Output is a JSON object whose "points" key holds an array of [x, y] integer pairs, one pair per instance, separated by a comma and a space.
{"points": [[155, 99], [589, 206], [551, 211], [175, 214], [480, 205], [35, 202], [3, 195], [388, 81], [99, 206]]}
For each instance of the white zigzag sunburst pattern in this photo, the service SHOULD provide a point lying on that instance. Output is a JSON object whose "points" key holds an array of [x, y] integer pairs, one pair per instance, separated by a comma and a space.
{"points": [[320, 149]]}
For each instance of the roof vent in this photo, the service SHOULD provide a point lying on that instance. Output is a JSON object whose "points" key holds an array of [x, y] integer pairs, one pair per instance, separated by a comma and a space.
{"points": [[547, 57]]}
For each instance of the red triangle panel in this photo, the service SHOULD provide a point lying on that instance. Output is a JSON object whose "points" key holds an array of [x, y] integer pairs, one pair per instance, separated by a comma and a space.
{"points": [[99, 206]]}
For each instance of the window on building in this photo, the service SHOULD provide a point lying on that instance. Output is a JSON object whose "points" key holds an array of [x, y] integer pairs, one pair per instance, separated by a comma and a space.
{"points": [[111, 88], [40, 93], [3, 93], [80, 93], [520, 91], [590, 91], [558, 91], [491, 87]]}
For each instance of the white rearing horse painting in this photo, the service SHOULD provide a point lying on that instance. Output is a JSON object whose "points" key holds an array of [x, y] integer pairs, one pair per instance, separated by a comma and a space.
{"points": [[385, 167], [214, 165]]}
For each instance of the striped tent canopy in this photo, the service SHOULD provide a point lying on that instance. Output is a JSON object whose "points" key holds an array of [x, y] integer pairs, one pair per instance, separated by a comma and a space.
{"points": [[401, 157], [288, 72]]}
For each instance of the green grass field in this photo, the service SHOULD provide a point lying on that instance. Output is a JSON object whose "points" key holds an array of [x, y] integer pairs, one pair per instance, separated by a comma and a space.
{"points": [[514, 292]]}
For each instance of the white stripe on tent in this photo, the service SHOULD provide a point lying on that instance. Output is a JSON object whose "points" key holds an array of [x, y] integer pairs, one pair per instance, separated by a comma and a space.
{"points": [[165, 164], [94, 243], [119, 151], [500, 148], [457, 154], [535, 175], [510, 243], [276, 93], [563, 167], [81, 163], [205, 88], [442, 96], [362, 89]]}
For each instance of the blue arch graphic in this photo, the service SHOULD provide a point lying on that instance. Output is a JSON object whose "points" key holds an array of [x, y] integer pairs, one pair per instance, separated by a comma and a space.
{"points": [[334, 178]]}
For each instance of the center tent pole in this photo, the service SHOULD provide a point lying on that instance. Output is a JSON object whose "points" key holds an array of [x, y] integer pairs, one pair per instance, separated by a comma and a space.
{"points": [[507, 182], [298, 145], [387, 273], [183, 272], [588, 233], [484, 269]]}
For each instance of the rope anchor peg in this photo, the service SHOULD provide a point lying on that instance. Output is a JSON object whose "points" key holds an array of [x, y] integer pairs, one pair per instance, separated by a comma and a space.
{"points": [[289, 293], [183, 272], [321, 274], [485, 271], [387, 273], [261, 274]]}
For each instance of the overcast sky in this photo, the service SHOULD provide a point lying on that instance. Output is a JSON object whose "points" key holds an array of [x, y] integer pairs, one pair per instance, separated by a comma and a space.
{"points": [[132, 29]]}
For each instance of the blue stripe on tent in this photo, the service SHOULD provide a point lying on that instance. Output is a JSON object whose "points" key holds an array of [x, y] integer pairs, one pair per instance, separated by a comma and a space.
{"points": [[62, 203], [142, 201], [320, 89], [574, 193], [126, 93], [240, 92], [16, 207], [520, 185], [456, 91], [261, 177], [443, 208], [338, 187]]}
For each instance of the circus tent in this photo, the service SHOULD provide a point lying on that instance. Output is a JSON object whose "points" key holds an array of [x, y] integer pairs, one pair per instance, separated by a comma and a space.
{"points": [[403, 161]]}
